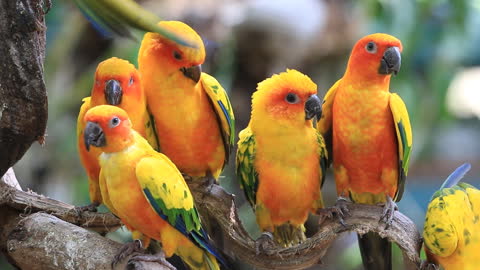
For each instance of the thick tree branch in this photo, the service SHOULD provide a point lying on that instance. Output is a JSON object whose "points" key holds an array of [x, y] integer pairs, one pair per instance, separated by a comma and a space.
{"points": [[216, 205]]}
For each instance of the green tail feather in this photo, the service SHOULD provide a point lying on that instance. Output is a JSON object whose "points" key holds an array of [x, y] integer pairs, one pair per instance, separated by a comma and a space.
{"points": [[376, 252]]}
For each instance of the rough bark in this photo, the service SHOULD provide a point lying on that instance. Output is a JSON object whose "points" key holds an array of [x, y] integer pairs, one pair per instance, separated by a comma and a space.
{"points": [[23, 97]]}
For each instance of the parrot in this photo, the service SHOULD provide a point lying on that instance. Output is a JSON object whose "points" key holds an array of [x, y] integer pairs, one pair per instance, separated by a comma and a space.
{"points": [[146, 190], [193, 116], [116, 82], [451, 231], [368, 134], [281, 158], [119, 16]]}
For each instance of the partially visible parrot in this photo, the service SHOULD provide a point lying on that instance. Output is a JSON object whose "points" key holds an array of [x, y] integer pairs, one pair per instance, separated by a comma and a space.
{"points": [[145, 189], [193, 116], [120, 16], [116, 82], [452, 224], [281, 158], [369, 132]]}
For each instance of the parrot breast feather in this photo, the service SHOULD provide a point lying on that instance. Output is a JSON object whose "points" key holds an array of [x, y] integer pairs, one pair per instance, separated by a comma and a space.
{"points": [[245, 165], [223, 109]]}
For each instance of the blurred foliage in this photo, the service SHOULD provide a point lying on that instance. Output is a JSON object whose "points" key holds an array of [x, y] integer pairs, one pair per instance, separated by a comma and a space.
{"points": [[247, 41]]}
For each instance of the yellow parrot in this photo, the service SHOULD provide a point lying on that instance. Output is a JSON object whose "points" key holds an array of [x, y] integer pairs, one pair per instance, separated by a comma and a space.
{"points": [[452, 224], [116, 82], [145, 189], [281, 158], [193, 116]]}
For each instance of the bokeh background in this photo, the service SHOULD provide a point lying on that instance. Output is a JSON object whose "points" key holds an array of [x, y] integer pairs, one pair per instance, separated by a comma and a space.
{"points": [[249, 40]]}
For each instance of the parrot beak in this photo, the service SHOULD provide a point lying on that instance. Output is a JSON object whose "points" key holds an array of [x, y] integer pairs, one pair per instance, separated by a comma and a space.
{"points": [[193, 73], [93, 135], [313, 107], [113, 92], [390, 62]]}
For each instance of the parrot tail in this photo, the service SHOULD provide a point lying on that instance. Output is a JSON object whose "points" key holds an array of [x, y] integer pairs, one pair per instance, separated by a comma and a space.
{"points": [[288, 235], [376, 252], [456, 176], [197, 258]]}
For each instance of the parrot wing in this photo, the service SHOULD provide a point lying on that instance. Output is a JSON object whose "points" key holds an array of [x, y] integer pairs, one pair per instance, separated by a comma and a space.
{"points": [[324, 125], [80, 123], [404, 139], [116, 16], [223, 109], [245, 167], [168, 194], [323, 157]]}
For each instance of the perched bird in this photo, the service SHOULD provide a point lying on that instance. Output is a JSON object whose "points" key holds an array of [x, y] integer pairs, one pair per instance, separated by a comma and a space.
{"points": [[452, 229], [281, 158], [368, 131], [121, 16], [193, 116], [145, 189], [116, 82]]}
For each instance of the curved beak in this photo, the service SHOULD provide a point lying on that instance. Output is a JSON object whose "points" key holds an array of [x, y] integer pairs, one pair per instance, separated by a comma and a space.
{"points": [[313, 107], [113, 92], [193, 73], [391, 61], [93, 135]]}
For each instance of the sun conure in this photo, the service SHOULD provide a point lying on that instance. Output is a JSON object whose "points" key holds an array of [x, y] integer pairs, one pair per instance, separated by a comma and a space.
{"points": [[145, 189], [116, 82], [281, 158], [193, 116], [451, 231], [368, 130]]}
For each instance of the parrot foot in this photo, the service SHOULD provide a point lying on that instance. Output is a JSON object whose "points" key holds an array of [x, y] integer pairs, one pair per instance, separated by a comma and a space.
{"points": [[389, 209], [428, 266], [264, 243], [90, 208], [127, 250], [133, 263], [340, 209]]}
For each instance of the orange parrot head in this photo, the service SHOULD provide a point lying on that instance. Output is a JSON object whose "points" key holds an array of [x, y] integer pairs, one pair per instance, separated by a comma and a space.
{"points": [[375, 57], [108, 127], [175, 57], [287, 98], [114, 79]]}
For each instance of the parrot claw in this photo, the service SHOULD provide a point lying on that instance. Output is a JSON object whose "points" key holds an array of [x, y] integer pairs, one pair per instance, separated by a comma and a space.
{"points": [[90, 208], [340, 209], [389, 209], [133, 263], [264, 243], [127, 250], [428, 266]]}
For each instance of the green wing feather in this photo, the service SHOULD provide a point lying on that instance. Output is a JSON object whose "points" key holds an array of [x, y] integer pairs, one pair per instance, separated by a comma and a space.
{"points": [[223, 109], [404, 139], [325, 123], [245, 168], [118, 16]]}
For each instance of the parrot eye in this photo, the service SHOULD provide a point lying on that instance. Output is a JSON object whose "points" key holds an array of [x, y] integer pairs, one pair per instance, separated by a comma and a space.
{"points": [[131, 81], [371, 47], [114, 122], [292, 98], [177, 55]]}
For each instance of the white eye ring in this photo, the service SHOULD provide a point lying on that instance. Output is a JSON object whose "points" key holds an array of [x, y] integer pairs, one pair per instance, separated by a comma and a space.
{"points": [[292, 98], [371, 47], [114, 122]]}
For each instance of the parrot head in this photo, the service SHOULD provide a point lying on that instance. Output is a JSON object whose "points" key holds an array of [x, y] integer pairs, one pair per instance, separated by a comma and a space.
{"points": [[175, 58], [375, 56], [108, 127], [115, 78], [289, 97]]}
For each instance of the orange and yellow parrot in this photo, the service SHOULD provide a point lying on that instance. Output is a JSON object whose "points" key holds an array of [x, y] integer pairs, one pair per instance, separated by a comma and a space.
{"points": [[451, 231], [145, 189], [368, 130], [281, 158], [193, 116], [116, 82]]}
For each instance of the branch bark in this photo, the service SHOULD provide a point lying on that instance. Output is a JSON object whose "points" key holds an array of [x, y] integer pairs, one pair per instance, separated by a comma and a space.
{"points": [[23, 97]]}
